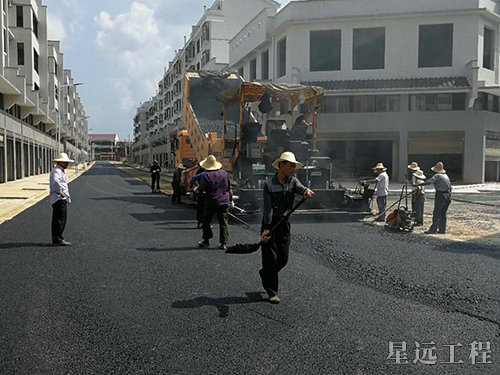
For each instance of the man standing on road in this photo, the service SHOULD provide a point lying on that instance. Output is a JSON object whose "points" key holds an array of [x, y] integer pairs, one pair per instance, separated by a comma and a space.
{"points": [[418, 197], [155, 176], [59, 199], [279, 197], [442, 199], [176, 184], [216, 187], [381, 188]]}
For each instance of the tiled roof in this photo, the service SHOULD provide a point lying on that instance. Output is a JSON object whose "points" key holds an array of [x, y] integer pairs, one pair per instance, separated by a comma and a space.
{"points": [[392, 84]]}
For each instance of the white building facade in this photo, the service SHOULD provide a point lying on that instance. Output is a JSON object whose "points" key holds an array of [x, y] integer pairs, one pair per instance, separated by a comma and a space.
{"points": [[406, 80], [40, 114], [207, 48]]}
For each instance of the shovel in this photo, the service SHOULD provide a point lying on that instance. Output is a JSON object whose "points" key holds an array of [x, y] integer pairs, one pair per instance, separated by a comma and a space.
{"points": [[253, 247]]}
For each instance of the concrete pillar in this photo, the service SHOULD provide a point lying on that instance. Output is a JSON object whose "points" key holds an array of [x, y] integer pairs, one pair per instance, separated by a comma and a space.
{"points": [[402, 155], [14, 157], [23, 162], [474, 158]]}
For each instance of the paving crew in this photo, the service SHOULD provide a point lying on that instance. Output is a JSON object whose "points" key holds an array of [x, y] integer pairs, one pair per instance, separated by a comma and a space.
{"points": [[176, 184], [194, 184], [59, 199], [416, 176], [418, 197], [442, 199], [381, 189], [279, 196], [155, 176], [216, 186]]}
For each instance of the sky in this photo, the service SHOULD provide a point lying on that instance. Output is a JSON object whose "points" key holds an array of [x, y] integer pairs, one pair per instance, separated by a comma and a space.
{"points": [[118, 50]]}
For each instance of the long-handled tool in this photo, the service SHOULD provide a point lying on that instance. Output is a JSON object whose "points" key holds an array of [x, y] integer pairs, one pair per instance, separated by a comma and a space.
{"points": [[239, 220], [251, 248]]}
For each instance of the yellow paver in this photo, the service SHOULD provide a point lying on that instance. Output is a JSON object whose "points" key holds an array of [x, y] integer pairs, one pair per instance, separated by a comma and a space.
{"points": [[17, 196]]}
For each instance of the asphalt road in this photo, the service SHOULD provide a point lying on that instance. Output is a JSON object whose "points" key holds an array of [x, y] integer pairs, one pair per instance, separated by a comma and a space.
{"points": [[134, 296]]}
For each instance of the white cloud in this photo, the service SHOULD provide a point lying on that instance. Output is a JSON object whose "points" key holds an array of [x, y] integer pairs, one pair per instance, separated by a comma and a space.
{"points": [[55, 27], [125, 94], [133, 39]]}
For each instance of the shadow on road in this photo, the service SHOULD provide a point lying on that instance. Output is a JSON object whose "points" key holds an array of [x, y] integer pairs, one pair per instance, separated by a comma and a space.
{"points": [[167, 249], [222, 304], [17, 245], [473, 247]]}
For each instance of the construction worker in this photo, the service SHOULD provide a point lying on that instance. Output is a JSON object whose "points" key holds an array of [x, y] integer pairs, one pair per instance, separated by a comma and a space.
{"points": [[176, 184], [381, 189], [415, 176], [59, 199], [155, 176], [215, 184], [442, 199], [279, 196]]}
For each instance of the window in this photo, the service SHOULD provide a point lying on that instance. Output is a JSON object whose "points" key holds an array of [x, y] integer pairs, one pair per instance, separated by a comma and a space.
{"points": [[361, 103], [281, 57], [265, 65], [56, 92], [36, 87], [35, 25], [253, 70], [437, 102], [488, 49], [20, 53], [324, 50], [198, 46], [368, 50], [435, 45], [55, 68], [35, 60], [5, 40], [19, 16]]}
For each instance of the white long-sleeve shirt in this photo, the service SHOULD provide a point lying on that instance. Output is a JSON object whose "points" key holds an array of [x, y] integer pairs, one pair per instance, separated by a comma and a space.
{"points": [[58, 185]]}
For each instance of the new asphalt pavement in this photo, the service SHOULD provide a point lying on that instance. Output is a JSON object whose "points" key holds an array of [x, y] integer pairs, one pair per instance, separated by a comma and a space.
{"points": [[133, 295]]}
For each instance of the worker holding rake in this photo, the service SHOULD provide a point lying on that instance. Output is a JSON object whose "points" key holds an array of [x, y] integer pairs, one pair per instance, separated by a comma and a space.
{"points": [[279, 197]]}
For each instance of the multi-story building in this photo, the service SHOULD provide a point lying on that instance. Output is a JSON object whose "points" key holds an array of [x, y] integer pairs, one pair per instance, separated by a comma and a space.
{"points": [[33, 92], [405, 80], [207, 48], [105, 146]]}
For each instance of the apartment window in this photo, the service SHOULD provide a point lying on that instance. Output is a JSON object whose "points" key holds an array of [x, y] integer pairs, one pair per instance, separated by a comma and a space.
{"points": [[35, 60], [241, 72], [56, 92], [56, 68], [265, 65], [253, 70], [435, 45], [35, 25], [437, 102], [324, 50], [19, 16], [368, 48], [36, 87], [198, 45], [20, 53], [488, 49], [281, 57], [361, 103], [5, 40]]}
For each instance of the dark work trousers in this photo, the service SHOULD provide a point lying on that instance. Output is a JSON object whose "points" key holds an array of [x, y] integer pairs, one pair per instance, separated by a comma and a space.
{"points": [[176, 196], [381, 203], [221, 212], [200, 208], [59, 217], [417, 204], [442, 201], [155, 181], [275, 257]]}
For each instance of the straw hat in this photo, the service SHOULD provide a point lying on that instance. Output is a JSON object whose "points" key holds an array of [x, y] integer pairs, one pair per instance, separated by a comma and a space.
{"points": [[181, 166], [379, 166], [63, 157], [414, 166], [438, 168], [419, 174], [287, 156], [210, 164]]}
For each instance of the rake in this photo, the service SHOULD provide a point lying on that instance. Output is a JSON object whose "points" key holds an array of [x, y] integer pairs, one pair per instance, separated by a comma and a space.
{"points": [[253, 247]]}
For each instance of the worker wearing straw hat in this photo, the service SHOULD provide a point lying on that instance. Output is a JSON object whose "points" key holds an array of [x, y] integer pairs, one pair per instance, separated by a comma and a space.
{"points": [[381, 188], [176, 184], [442, 199], [216, 187], [59, 199], [418, 197], [279, 197]]}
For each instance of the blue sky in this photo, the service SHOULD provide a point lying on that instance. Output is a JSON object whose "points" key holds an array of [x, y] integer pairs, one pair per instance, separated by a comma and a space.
{"points": [[118, 49]]}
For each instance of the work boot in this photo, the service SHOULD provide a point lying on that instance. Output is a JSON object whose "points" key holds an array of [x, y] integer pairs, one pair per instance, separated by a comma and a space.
{"points": [[274, 300], [223, 246], [204, 244]]}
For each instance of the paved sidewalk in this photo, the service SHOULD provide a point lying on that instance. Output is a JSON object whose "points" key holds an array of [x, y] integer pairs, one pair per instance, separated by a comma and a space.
{"points": [[17, 196]]}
